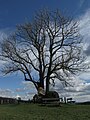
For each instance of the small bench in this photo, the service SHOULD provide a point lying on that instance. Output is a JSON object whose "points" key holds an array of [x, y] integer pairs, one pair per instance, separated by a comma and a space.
{"points": [[51, 101]]}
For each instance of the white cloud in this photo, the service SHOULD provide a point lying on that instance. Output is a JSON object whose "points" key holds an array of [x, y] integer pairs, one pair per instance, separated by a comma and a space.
{"points": [[84, 25], [26, 91], [80, 90], [3, 35], [81, 3], [6, 93]]}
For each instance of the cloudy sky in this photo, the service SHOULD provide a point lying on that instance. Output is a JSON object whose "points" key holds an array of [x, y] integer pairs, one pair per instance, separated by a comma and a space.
{"points": [[13, 12]]}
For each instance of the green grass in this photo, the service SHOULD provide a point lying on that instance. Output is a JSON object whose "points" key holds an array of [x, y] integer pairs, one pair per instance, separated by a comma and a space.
{"points": [[37, 112]]}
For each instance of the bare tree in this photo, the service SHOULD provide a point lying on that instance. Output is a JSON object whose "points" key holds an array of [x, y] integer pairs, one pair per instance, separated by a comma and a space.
{"points": [[46, 49]]}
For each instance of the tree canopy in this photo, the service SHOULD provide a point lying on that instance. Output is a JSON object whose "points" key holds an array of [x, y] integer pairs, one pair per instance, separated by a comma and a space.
{"points": [[46, 49]]}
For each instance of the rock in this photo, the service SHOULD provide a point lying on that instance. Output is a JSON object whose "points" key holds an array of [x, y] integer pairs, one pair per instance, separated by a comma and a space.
{"points": [[37, 98], [52, 94]]}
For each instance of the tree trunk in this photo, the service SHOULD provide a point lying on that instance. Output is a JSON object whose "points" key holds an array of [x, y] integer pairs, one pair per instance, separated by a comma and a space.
{"points": [[47, 86], [42, 83]]}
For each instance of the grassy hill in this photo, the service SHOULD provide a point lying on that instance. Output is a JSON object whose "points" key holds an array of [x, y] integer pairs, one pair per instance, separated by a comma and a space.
{"points": [[37, 112]]}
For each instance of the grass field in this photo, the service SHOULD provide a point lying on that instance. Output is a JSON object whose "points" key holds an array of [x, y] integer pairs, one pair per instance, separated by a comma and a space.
{"points": [[37, 112]]}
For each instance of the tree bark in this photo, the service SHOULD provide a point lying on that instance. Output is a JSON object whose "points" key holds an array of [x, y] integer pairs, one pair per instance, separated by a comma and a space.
{"points": [[47, 86]]}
